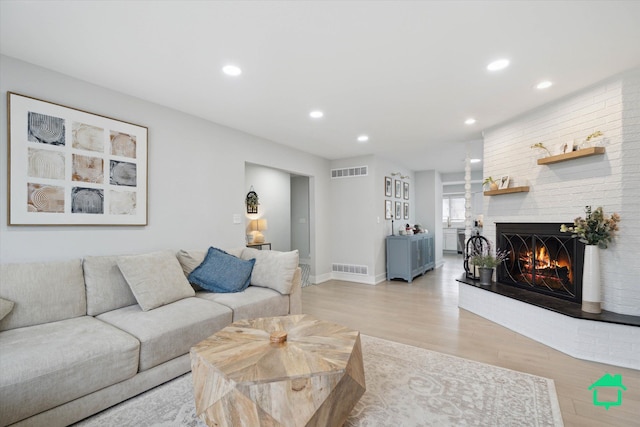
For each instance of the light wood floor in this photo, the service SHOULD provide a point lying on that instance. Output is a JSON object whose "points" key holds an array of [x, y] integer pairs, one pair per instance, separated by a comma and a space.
{"points": [[425, 314]]}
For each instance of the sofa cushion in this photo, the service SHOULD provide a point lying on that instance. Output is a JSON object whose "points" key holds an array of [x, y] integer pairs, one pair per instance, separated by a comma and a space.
{"points": [[42, 292], [46, 365], [5, 307], [221, 272], [273, 269], [190, 259], [171, 330], [251, 303], [107, 288], [155, 279]]}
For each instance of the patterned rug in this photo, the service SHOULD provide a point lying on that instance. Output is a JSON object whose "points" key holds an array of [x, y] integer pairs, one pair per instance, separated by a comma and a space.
{"points": [[406, 386]]}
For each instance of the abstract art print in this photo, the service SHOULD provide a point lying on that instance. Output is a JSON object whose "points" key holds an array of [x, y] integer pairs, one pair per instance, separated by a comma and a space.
{"points": [[71, 167]]}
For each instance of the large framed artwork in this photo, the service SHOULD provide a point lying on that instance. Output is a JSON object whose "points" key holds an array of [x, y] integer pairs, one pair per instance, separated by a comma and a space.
{"points": [[71, 167]]}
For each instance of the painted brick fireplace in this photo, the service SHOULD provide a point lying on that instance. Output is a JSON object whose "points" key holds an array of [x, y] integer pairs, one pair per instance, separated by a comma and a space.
{"points": [[558, 194]]}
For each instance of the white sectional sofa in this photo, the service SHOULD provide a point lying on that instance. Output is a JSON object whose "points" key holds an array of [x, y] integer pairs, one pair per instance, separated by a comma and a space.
{"points": [[79, 336]]}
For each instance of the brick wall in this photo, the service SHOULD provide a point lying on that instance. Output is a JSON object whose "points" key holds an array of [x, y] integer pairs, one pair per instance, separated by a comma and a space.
{"points": [[559, 192]]}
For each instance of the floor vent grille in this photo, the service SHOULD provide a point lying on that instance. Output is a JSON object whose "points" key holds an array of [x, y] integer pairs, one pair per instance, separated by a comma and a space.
{"points": [[350, 269], [349, 172]]}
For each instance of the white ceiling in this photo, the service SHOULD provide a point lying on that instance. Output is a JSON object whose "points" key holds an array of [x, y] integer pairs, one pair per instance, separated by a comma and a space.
{"points": [[407, 73]]}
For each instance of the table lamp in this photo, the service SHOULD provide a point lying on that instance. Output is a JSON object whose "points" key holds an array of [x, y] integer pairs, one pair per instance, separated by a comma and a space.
{"points": [[257, 225]]}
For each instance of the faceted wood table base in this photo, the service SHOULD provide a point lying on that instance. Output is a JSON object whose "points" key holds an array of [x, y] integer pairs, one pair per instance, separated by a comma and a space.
{"points": [[278, 371]]}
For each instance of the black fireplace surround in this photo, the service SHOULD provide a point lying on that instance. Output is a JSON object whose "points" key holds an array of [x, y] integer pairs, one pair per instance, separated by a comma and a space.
{"points": [[541, 259]]}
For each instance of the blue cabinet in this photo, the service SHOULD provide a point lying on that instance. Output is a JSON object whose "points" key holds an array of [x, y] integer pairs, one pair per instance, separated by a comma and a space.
{"points": [[409, 256]]}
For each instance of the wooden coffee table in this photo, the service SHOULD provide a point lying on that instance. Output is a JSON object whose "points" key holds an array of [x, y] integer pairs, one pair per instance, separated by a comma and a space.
{"points": [[278, 371]]}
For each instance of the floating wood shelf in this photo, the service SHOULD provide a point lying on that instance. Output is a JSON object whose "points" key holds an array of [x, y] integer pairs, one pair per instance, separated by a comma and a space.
{"points": [[524, 189], [585, 152]]}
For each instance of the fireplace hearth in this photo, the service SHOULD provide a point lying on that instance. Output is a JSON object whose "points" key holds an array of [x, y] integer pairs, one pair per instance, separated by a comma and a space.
{"points": [[541, 259]]}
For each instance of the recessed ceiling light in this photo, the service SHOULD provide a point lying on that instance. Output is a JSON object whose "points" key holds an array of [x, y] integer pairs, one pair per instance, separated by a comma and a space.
{"points": [[500, 64], [470, 121], [231, 70], [363, 138], [475, 160], [543, 85], [316, 114]]}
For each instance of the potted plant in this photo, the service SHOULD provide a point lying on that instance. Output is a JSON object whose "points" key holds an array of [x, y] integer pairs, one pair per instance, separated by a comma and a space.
{"points": [[541, 146], [493, 185], [486, 262], [596, 231]]}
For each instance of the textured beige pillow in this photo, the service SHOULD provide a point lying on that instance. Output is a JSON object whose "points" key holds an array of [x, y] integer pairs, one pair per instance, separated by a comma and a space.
{"points": [[189, 260], [5, 307], [155, 279], [273, 269]]}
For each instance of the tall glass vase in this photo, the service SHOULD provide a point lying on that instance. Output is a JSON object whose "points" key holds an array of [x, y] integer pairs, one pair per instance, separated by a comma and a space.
{"points": [[591, 287]]}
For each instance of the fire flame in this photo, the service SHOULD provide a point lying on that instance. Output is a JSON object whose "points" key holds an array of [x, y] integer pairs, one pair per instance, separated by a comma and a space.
{"points": [[543, 261]]}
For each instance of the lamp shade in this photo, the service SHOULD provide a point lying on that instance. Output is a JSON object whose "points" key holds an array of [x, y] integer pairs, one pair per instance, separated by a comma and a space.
{"points": [[262, 224]]}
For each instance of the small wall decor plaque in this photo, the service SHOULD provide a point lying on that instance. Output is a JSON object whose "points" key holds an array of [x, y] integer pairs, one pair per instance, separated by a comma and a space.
{"points": [[252, 201], [71, 167]]}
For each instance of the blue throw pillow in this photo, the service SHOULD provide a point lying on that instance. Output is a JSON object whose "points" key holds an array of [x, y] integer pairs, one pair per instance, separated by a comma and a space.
{"points": [[222, 272]]}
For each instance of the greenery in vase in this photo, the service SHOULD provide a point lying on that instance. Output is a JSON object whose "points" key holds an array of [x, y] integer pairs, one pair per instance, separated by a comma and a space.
{"points": [[541, 146], [595, 229], [485, 259], [488, 181], [594, 135]]}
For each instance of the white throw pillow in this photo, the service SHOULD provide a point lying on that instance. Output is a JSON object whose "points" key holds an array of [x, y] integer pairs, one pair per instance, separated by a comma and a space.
{"points": [[273, 269], [5, 307], [189, 260], [156, 279]]}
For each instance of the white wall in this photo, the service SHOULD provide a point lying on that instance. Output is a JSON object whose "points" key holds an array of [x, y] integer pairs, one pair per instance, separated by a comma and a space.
{"points": [[354, 219], [559, 192], [273, 187], [196, 178], [300, 217], [429, 207]]}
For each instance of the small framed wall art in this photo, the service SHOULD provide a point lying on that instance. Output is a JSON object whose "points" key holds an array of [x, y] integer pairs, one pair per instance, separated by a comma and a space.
{"points": [[388, 210], [388, 187], [398, 189], [398, 210], [71, 167], [504, 182], [405, 190], [406, 210]]}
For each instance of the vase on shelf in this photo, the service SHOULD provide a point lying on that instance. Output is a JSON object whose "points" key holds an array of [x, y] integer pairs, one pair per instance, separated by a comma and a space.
{"points": [[485, 275], [591, 286]]}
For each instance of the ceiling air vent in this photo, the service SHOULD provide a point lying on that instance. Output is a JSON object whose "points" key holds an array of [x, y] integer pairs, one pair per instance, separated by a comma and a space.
{"points": [[349, 172]]}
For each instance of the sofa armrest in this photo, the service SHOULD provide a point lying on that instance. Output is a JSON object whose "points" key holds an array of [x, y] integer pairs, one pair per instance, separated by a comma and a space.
{"points": [[295, 297]]}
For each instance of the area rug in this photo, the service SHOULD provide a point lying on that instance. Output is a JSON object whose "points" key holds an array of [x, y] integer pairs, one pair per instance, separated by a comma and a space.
{"points": [[406, 386]]}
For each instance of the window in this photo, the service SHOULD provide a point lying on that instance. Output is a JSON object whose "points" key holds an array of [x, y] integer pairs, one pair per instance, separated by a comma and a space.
{"points": [[453, 208]]}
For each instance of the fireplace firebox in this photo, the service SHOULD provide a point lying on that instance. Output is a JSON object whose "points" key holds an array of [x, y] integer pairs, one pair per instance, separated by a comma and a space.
{"points": [[541, 259]]}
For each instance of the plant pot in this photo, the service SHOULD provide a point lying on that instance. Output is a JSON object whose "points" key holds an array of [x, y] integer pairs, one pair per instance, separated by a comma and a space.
{"points": [[591, 286], [485, 275]]}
